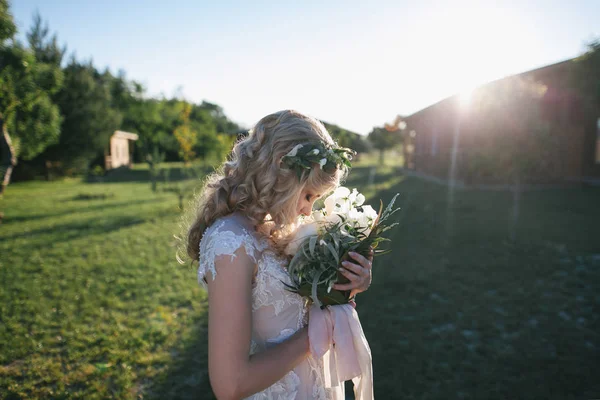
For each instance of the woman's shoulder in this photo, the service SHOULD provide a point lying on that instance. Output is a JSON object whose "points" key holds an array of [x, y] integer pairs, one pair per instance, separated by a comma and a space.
{"points": [[231, 223], [231, 232]]}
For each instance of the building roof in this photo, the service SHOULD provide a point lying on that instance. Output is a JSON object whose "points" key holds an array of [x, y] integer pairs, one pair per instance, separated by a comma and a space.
{"points": [[125, 135], [538, 72]]}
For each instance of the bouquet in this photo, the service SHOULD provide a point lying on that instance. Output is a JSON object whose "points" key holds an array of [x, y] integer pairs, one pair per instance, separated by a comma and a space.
{"points": [[325, 238]]}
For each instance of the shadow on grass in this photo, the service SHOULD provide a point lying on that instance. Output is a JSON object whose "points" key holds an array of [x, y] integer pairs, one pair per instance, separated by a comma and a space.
{"points": [[76, 230], [26, 218], [123, 174], [93, 196], [187, 376], [457, 310]]}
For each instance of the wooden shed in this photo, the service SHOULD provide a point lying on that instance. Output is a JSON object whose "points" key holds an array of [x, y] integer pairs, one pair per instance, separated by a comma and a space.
{"points": [[119, 151]]}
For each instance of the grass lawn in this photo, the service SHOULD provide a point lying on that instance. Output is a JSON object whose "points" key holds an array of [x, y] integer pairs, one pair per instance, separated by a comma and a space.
{"points": [[93, 304]]}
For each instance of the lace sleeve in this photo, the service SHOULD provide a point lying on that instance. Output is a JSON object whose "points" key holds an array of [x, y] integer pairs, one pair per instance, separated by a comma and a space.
{"points": [[222, 239]]}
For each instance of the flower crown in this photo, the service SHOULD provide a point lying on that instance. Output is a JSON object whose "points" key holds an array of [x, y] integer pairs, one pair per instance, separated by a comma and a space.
{"points": [[304, 157]]}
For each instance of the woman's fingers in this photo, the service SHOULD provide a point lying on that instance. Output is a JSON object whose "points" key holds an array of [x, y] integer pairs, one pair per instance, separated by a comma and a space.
{"points": [[357, 269], [358, 275], [360, 259], [352, 277], [343, 286]]}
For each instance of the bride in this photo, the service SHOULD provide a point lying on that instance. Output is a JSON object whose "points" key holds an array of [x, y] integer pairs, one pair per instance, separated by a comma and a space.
{"points": [[258, 330]]}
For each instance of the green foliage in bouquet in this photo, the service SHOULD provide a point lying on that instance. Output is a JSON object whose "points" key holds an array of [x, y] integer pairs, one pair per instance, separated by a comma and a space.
{"points": [[315, 267]]}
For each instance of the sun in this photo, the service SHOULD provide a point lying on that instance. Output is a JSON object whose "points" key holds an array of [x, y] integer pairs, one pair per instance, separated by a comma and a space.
{"points": [[465, 96]]}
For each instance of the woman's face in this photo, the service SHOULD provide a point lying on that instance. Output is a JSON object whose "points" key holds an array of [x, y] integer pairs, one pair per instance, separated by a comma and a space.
{"points": [[306, 201]]}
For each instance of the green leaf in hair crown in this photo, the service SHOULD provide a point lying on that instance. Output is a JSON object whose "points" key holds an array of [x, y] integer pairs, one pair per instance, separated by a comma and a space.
{"points": [[304, 157]]}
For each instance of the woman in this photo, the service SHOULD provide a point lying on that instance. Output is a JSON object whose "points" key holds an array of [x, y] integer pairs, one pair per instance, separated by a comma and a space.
{"points": [[257, 329]]}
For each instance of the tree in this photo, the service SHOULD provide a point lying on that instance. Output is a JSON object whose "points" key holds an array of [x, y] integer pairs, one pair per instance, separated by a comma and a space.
{"points": [[89, 116], [46, 49], [185, 135], [383, 140], [26, 107], [218, 117]]}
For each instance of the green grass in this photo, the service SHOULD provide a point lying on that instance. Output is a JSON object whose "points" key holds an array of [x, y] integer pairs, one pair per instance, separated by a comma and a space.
{"points": [[93, 304]]}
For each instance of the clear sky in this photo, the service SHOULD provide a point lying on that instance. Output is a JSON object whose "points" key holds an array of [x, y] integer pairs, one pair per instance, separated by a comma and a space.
{"points": [[354, 63]]}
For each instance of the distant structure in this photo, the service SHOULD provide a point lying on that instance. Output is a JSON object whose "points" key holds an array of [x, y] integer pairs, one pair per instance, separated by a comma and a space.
{"points": [[119, 152], [446, 140]]}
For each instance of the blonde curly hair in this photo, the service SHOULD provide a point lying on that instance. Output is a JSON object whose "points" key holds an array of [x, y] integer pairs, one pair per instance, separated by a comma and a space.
{"points": [[254, 181]]}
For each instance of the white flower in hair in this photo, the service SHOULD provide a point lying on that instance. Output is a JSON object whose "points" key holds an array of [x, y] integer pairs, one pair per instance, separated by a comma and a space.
{"points": [[314, 152], [322, 162], [294, 151]]}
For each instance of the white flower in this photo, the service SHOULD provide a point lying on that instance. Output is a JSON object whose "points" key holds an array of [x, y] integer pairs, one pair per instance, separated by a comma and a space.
{"points": [[360, 199], [331, 218], [318, 215], [322, 162], [363, 219], [371, 215], [314, 152], [356, 198], [330, 204], [357, 218], [369, 212], [304, 231], [341, 192], [338, 202], [294, 151]]}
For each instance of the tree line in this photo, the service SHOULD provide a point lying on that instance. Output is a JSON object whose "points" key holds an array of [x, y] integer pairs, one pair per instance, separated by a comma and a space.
{"points": [[59, 112]]}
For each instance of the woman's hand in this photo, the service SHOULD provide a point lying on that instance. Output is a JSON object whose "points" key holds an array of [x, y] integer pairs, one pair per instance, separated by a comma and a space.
{"points": [[358, 273]]}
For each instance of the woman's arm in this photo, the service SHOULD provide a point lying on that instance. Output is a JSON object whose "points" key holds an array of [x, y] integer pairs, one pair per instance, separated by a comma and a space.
{"points": [[233, 373]]}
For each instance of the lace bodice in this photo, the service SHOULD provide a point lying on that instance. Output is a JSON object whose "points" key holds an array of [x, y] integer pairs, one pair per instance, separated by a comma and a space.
{"points": [[276, 312]]}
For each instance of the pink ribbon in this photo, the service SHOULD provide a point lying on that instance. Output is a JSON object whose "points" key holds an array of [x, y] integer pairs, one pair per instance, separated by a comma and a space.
{"points": [[336, 335]]}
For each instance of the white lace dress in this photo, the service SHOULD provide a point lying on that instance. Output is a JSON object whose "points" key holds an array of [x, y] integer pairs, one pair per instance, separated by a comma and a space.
{"points": [[276, 313]]}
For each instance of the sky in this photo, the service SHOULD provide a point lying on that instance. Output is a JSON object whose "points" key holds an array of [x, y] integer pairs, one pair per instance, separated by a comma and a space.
{"points": [[357, 64]]}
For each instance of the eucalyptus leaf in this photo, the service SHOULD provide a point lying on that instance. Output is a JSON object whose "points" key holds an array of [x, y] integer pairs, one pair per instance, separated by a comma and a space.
{"points": [[311, 245]]}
